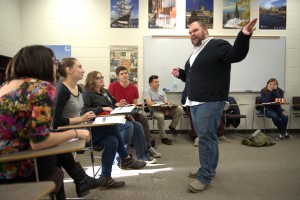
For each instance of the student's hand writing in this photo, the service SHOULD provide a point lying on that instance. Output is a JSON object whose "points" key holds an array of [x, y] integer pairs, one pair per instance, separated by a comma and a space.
{"points": [[250, 27], [122, 103], [88, 116], [175, 72]]}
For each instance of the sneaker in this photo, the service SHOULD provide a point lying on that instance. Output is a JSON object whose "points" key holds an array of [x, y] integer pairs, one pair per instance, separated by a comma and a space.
{"points": [[154, 153], [173, 131], [288, 136], [166, 141], [279, 137], [131, 163], [196, 142], [150, 160]]}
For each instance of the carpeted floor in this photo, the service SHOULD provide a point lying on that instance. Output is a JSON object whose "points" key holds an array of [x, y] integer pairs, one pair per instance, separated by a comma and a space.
{"points": [[243, 173]]}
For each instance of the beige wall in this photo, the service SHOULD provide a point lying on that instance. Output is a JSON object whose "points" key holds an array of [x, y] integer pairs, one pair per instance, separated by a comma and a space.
{"points": [[85, 24], [10, 41]]}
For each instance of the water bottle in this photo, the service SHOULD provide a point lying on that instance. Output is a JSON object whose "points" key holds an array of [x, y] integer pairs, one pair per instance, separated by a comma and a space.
{"points": [[175, 87]]}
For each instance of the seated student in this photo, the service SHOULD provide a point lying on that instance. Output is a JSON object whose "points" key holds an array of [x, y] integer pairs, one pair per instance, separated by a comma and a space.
{"points": [[67, 111], [279, 116], [154, 95], [98, 99], [127, 92], [27, 98]]}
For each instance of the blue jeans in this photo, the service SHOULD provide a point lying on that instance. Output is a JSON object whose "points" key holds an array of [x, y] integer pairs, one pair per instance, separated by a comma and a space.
{"points": [[139, 141], [110, 138], [279, 119], [206, 119], [126, 132]]}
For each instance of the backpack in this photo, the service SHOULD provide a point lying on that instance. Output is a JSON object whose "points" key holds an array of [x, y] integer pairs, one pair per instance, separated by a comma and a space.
{"points": [[258, 139]]}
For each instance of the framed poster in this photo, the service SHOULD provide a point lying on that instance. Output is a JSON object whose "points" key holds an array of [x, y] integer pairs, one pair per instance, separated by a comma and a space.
{"points": [[272, 14], [236, 14], [124, 14], [126, 56], [162, 14], [203, 10]]}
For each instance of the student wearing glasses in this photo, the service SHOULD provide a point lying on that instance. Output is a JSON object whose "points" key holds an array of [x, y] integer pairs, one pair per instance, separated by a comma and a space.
{"points": [[69, 105], [98, 99]]}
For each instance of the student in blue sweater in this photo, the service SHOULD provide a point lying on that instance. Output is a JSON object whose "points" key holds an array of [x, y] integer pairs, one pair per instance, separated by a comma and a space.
{"points": [[207, 78], [276, 112]]}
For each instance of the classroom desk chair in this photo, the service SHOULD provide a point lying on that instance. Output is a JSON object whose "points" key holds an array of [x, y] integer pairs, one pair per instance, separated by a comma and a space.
{"points": [[294, 109], [232, 115], [29, 154]]}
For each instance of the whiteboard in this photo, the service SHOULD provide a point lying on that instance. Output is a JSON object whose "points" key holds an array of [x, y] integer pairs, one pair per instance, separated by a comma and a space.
{"points": [[266, 59]]}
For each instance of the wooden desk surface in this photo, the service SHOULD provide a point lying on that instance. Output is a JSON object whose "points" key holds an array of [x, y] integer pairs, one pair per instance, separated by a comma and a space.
{"points": [[239, 104], [271, 103], [91, 124], [83, 125], [163, 105], [75, 145], [28, 191]]}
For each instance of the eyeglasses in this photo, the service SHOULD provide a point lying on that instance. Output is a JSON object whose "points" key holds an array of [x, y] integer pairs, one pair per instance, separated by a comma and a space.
{"points": [[100, 78]]}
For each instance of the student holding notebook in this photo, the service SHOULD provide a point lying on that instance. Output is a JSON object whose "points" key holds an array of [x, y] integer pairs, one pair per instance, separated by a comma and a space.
{"points": [[67, 112], [98, 99], [126, 92]]}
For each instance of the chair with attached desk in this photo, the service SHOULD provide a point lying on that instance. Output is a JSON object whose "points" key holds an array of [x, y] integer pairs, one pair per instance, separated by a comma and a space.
{"points": [[295, 108], [259, 111], [57, 176], [232, 115], [28, 190], [91, 148], [150, 116]]}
